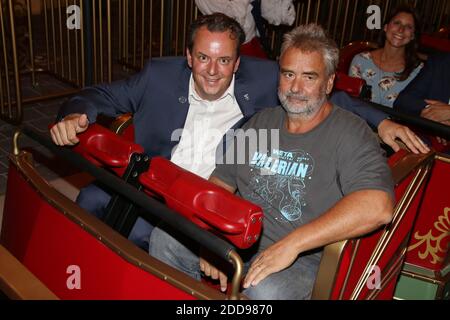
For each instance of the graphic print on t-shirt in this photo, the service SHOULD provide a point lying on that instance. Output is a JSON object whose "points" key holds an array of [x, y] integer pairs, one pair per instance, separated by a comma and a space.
{"points": [[280, 179]]}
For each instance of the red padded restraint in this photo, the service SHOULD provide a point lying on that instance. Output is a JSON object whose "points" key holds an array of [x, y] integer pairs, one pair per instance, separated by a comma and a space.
{"points": [[104, 148], [351, 85], [209, 206]]}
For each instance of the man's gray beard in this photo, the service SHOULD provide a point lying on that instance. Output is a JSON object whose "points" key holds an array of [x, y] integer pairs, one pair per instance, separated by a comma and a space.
{"points": [[307, 112]]}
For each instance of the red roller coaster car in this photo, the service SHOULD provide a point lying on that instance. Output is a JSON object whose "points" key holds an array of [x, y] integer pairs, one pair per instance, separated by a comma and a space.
{"points": [[47, 238]]}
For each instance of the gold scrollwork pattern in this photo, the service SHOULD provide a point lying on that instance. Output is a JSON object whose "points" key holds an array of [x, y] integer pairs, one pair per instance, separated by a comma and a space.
{"points": [[433, 244]]}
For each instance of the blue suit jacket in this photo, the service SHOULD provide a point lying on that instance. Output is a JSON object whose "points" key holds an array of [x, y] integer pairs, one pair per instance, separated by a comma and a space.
{"points": [[158, 98], [433, 82]]}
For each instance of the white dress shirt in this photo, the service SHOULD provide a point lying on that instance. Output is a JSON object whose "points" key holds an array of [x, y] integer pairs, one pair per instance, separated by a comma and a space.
{"points": [[206, 124]]}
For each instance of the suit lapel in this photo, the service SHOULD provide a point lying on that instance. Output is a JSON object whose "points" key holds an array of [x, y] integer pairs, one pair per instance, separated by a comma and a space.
{"points": [[243, 95], [182, 94]]}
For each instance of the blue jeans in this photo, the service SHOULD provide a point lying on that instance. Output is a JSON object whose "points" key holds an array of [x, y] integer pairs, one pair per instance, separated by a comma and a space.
{"points": [[293, 283], [95, 199]]}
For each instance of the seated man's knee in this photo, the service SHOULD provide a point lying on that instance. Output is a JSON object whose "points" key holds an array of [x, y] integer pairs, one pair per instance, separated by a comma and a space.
{"points": [[267, 289], [140, 234], [162, 245], [282, 286], [182, 256], [94, 200]]}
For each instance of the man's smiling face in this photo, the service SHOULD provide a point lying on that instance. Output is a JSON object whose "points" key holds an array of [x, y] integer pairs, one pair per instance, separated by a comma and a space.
{"points": [[213, 61]]}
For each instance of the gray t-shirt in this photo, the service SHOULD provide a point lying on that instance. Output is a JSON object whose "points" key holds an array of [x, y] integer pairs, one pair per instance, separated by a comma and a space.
{"points": [[306, 174]]}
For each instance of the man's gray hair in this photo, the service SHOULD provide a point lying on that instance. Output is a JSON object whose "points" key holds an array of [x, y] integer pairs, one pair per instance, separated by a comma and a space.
{"points": [[312, 38]]}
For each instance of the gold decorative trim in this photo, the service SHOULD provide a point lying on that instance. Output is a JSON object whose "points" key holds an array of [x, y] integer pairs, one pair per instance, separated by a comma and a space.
{"points": [[329, 265], [237, 277], [439, 281], [433, 243], [331, 258], [356, 244], [121, 123], [393, 270], [16, 148], [408, 163], [400, 210], [443, 157]]}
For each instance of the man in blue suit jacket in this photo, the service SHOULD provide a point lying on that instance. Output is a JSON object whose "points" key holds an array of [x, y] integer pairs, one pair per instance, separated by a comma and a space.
{"points": [[161, 96], [428, 95]]}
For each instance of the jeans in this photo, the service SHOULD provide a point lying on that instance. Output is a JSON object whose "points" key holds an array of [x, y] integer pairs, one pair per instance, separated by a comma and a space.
{"points": [[293, 283], [94, 199]]}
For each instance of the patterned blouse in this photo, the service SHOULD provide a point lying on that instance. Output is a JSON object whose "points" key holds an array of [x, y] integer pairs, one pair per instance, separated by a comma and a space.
{"points": [[385, 87]]}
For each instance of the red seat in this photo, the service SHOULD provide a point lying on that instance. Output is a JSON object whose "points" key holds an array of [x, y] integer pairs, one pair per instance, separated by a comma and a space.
{"points": [[253, 48], [435, 43], [204, 203], [347, 53], [443, 33], [355, 87], [351, 269], [123, 126]]}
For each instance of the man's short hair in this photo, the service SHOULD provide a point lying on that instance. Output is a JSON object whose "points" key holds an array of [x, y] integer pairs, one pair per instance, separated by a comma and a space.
{"points": [[217, 22], [312, 38]]}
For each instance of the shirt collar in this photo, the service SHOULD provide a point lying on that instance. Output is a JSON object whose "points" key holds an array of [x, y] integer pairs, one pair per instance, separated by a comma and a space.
{"points": [[194, 95]]}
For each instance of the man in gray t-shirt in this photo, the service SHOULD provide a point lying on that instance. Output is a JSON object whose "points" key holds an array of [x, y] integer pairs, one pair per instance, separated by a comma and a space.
{"points": [[305, 174], [319, 180]]}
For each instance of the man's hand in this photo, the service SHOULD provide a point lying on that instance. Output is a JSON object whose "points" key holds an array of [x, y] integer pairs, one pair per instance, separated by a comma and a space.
{"points": [[64, 133], [277, 257], [211, 271], [389, 131], [437, 111]]}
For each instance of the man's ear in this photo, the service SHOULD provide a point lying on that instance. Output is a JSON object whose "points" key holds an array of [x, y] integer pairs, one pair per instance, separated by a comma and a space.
{"points": [[236, 66], [330, 83], [189, 57]]}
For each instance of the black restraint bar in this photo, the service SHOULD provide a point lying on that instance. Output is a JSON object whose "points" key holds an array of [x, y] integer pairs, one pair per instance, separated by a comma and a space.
{"points": [[431, 127], [151, 206]]}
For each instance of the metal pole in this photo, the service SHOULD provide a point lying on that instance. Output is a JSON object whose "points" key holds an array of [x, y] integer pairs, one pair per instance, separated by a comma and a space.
{"points": [[94, 41], [108, 13], [30, 38], [61, 50], [18, 115], [52, 5], [168, 27], [77, 63], [86, 33], [134, 32], [69, 62], [142, 32], [5, 59], [47, 45]]}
